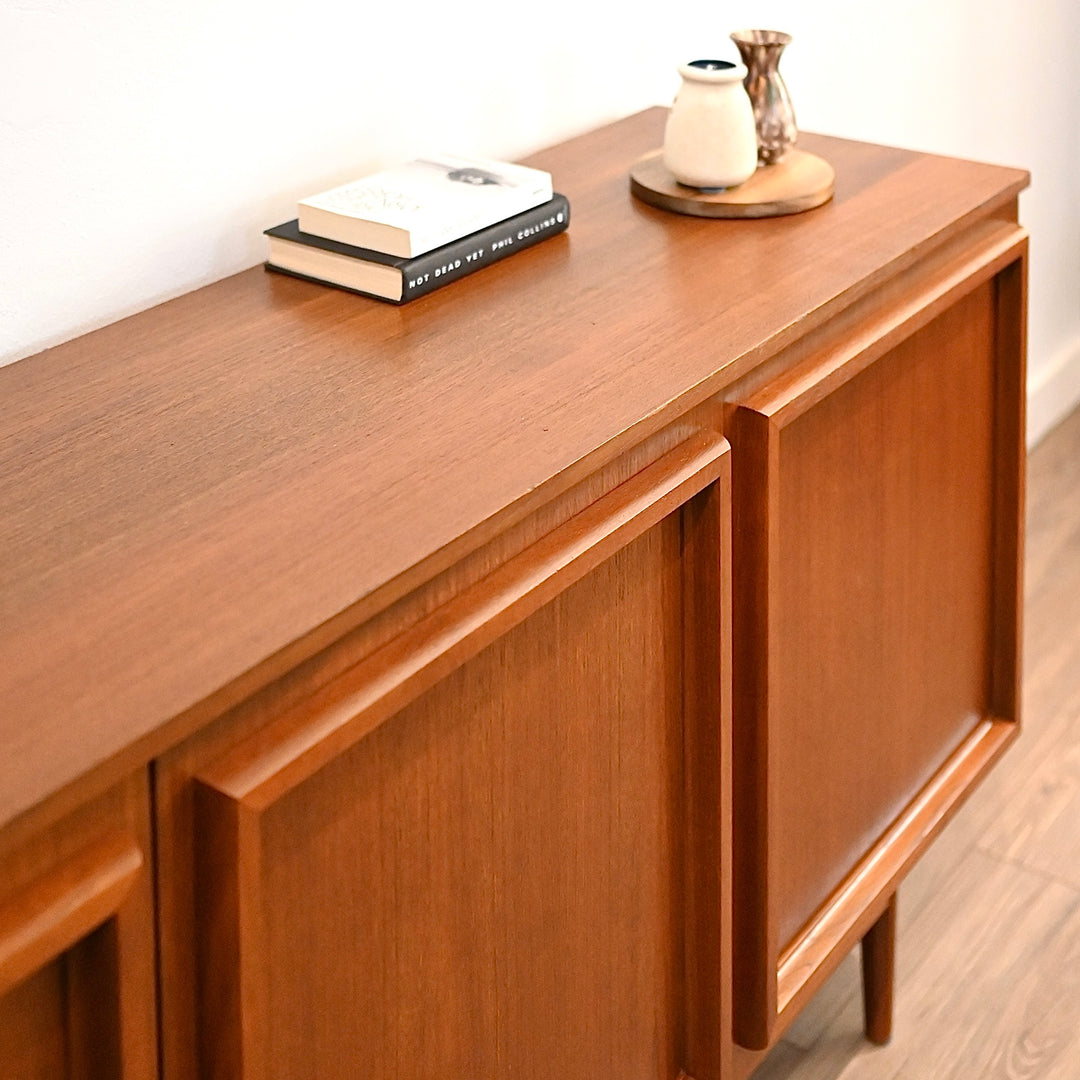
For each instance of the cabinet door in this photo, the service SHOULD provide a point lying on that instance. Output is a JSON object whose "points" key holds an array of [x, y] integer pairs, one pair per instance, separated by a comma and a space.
{"points": [[77, 971], [877, 516], [493, 848]]}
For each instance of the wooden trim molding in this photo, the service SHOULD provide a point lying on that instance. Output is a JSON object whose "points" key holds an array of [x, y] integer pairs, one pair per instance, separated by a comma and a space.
{"points": [[51, 914], [77, 948], [787, 398], [860, 899], [236, 793], [777, 971], [284, 755]]}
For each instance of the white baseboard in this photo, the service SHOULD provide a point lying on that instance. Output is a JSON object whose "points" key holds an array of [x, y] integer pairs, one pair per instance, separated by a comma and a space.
{"points": [[1053, 392]]}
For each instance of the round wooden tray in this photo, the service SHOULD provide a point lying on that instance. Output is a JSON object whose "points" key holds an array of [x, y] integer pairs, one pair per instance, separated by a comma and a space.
{"points": [[800, 182]]}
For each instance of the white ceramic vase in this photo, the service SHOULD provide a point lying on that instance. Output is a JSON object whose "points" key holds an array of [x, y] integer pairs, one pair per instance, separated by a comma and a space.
{"points": [[710, 140]]}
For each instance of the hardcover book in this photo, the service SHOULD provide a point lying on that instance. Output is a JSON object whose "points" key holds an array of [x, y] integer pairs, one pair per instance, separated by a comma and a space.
{"points": [[397, 279], [423, 205]]}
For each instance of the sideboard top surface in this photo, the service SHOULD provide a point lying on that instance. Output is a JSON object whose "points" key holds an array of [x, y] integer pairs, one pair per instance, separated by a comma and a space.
{"points": [[188, 492]]}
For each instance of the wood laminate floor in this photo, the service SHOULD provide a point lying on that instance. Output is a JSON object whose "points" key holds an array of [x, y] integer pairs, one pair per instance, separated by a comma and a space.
{"points": [[988, 976]]}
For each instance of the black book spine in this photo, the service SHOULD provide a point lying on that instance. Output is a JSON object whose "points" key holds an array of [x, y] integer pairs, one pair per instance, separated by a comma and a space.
{"points": [[460, 257]]}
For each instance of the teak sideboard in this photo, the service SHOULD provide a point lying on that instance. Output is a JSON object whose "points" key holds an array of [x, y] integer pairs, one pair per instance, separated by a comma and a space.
{"points": [[552, 677]]}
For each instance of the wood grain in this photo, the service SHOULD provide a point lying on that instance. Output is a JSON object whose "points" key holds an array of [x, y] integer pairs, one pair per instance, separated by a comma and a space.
{"points": [[416, 659], [43, 920], [990, 919], [878, 974], [505, 858], [33, 1027], [800, 182], [707, 771], [878, 491], [194, 500], [77, 954], [987, 987], [860, 898], [886, 499], [423, 616]]}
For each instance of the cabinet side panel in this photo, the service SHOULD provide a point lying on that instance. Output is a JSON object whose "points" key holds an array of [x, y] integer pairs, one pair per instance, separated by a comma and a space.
{"points": [[886, 492]]}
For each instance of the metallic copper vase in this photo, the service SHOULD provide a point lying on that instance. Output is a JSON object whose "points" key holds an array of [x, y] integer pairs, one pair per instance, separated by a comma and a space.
{"points": [[773, 115]]}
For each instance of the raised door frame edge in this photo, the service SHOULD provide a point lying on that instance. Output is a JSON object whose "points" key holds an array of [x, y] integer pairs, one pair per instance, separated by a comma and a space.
{"points": [[89, 905], [232, 793], [774, 983]]}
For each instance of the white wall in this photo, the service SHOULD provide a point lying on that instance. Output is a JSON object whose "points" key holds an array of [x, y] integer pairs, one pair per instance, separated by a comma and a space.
{"points": [[145, 144]]}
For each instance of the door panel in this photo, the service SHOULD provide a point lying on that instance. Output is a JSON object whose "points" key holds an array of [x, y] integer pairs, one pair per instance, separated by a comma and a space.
{"points": [[885, 568], [877, 496], [471, 856]]}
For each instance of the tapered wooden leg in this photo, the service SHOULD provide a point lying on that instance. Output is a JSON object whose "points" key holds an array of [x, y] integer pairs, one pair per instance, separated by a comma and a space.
{"points": [[878, 963]]}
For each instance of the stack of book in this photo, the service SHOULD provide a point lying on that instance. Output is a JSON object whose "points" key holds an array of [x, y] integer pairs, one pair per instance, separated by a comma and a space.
{"points": [[398, 234]]}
